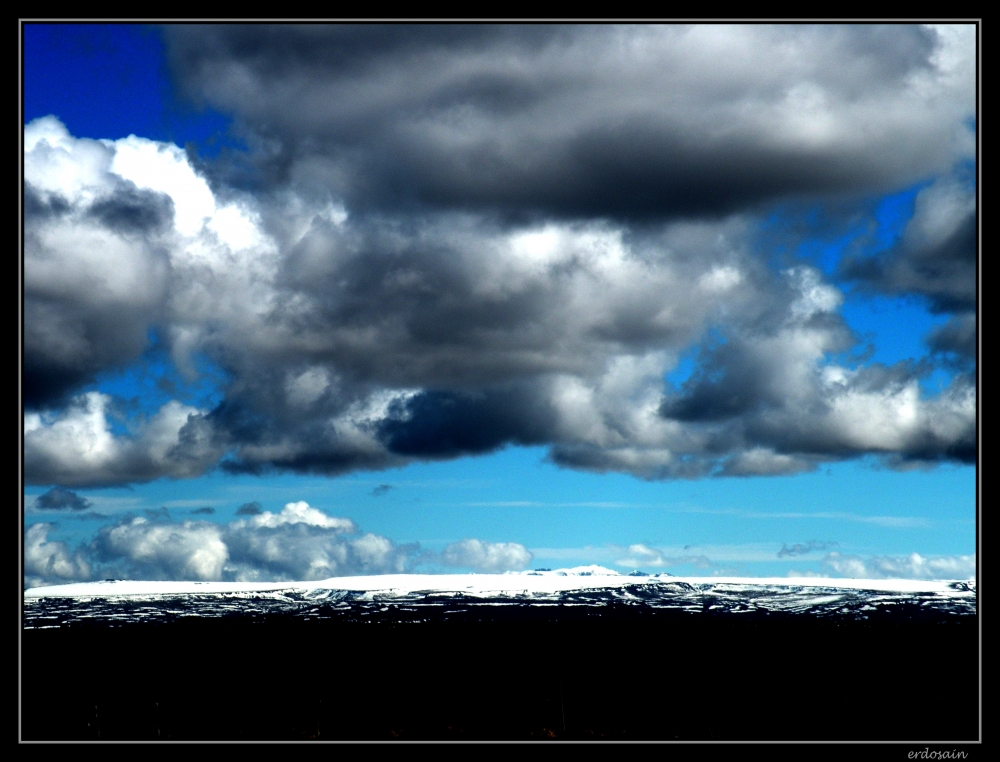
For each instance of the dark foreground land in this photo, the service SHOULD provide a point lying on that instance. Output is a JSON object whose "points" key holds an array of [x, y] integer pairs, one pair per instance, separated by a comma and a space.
{"points": [[610, 673]]}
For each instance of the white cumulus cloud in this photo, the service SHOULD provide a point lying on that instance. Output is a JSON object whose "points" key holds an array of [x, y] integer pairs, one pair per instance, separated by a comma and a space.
{"points": [[913, 566], [77, 446], [298, 543], [487, 556], [299, 512], [190, 550], [48, 562]]}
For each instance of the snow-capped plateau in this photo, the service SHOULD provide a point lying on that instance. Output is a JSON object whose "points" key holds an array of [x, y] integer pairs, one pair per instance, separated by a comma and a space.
{"points": [[510, 583], [407, 595]]}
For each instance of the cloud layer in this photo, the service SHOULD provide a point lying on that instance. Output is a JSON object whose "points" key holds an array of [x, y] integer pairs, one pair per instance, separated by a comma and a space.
{"points": [[913, 566], [581, 121], [451, 239], [297, 543], [301, 542]]}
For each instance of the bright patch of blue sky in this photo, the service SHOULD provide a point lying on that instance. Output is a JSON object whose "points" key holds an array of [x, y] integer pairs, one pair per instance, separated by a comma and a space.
{"points": [[895, 327], [516, 496], [823, 237], [892, 214], [109, 81], [149, 384]]}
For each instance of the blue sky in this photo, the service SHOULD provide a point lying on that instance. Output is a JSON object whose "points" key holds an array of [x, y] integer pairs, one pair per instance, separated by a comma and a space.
{"points": [[804, 501]]}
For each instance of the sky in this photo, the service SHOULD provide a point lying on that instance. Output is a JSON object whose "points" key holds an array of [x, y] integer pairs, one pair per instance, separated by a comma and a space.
{"points": [[321, 300]]}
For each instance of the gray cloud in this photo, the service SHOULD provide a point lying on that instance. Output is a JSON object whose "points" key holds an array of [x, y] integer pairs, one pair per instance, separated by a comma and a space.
{"points": [[381, 490], [583, 121], [95, 263], [936, 256], [204, 510], [450, 424], [131, 210], [59, 499], [801, 549], [77, 447], [764, 396], [461, 238], [250, 509], [956, 339]]}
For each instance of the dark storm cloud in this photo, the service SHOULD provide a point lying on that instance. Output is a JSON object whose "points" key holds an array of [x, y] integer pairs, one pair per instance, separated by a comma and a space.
{"points": [[576, 121], [762, 401], [449, 424], [936, 256], [60, 499], [91, 310], [444, 338], [130, 210], [39, 206], [456, 238], [250, 509], [264, 442], [53, 370], [868, 412], [459, 301], [957, 337]]}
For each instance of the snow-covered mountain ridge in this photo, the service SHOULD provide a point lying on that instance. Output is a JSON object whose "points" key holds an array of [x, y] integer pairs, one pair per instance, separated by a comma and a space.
{"points": [[511, 583], [555, 594]]}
